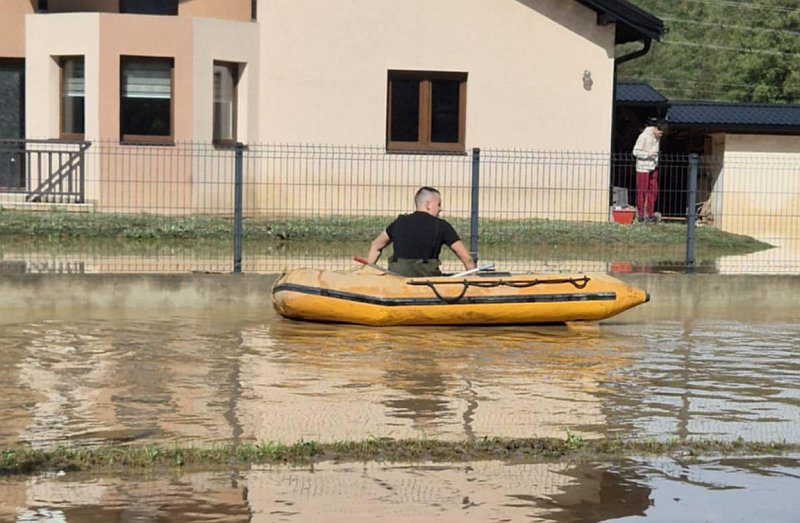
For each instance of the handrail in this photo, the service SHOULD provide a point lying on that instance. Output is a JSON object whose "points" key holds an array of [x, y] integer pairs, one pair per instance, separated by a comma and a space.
{"points": [[48, 174]]}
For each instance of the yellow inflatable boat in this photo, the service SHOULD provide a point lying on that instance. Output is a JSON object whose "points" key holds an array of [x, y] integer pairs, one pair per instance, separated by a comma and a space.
{"points": [[369, 297]]}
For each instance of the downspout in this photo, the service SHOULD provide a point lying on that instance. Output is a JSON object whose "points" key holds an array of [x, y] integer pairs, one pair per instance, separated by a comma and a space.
{"points": [[617, 61]]}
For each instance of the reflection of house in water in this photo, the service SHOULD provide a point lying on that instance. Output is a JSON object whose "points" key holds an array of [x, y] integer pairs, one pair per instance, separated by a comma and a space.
{"points": [[105, 380], [187, 497], [482, 491], [602, 492], [333, 382]]}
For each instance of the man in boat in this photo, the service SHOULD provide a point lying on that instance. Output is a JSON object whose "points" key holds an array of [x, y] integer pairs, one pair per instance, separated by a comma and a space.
{"points": [[418, 238]]}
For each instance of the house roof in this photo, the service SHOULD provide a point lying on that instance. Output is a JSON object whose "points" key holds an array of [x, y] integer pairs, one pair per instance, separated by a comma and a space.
{"points": [[632, 93], [734, 116], [632, 23]]}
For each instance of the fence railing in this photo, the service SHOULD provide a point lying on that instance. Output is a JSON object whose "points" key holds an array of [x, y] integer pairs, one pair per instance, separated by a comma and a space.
{"points": [[299, 205], [44, 170]]}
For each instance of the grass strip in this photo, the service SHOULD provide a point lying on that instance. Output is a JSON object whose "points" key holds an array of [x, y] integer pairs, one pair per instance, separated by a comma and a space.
{"points": [[60, 224], [26, 460]]}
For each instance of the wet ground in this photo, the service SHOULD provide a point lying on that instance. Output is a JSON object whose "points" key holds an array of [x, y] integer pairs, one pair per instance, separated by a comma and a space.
{"points": [[149, 377], [662, 490]]}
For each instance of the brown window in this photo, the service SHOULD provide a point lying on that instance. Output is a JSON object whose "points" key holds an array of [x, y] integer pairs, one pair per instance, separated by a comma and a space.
{"points": [[149, 7], [226, 77], [72, 97], [146, 105], [426, 111]]}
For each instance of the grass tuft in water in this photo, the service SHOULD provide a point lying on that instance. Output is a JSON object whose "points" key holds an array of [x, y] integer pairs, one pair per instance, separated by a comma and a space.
{"points": [[26, 460]]}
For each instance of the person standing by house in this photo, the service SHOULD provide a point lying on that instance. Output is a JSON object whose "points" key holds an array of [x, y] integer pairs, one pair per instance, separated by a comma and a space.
{"points": [[646, 152], [418, 238]]}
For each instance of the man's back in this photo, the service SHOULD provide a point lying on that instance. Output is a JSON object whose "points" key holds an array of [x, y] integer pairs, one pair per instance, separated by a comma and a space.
{"points": [[420, 236]]}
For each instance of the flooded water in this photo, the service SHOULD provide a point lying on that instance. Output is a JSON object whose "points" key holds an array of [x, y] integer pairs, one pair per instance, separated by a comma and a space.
{"points": [[661, 490], [143, 376], [36, 256], [146, 376]]}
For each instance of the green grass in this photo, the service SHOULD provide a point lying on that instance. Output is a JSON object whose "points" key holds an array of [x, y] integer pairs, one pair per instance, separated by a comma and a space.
{"points": [[558, 233], [26, 460]]}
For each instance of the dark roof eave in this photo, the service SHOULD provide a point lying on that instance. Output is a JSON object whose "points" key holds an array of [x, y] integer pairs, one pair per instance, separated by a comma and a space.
{"points": [[734, 129], [640, 103], [633, 24]]}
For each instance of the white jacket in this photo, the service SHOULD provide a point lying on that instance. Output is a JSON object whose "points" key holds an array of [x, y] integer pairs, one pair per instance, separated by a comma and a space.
{"points": [[646, 150]]}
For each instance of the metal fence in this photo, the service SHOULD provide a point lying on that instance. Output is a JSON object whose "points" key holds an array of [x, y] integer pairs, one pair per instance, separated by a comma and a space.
{"points": [[176, 208]]}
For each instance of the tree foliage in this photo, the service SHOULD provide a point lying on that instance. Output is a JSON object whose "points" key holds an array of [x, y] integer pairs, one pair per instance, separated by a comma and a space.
{"points": [[733, 50]]}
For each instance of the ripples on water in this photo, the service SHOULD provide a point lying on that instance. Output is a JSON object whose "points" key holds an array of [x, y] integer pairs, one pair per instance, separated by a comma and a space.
{"points": [[100, 377], [659, 489]]}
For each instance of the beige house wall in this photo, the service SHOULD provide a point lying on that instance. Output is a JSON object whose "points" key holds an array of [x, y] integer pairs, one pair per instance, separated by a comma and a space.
{"points": [[146, 35], [331, 180], [47, 38], [213, 172], [135, 178], [525, 60], [236, 42], [759, 186], [235, 10], [12, 27], [305, 82], [324, 73]]}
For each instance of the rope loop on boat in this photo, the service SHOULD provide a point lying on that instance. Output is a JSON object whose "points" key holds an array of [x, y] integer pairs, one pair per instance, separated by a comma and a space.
{"points": [[432, 286], [578, 283]]}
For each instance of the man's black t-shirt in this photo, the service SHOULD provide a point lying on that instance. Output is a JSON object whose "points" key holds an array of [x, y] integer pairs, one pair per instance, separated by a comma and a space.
{"points": [[419, 236]]}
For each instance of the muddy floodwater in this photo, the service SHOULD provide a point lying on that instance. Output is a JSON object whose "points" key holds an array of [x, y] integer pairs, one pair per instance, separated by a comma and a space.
{"points": [[137, 376], [145, 377], [665, 490]]}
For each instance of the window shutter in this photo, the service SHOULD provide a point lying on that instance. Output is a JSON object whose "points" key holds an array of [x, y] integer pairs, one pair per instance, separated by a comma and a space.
{"points": [[75, 82], [146, 80]]}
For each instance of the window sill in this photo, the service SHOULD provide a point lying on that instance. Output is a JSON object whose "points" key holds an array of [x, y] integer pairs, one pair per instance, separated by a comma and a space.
{"points": [[430, 152], [148, 143], [226, 145]]}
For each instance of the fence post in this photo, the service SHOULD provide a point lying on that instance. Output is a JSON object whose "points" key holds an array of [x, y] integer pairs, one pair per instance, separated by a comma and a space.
{"points": [[473, 210], [237, 210], [691, 213]]}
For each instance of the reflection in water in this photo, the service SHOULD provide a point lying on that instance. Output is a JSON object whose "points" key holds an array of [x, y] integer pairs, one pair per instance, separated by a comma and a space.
{"points": [[104, 376], [444, 382], [659, 489], [26, 255]]}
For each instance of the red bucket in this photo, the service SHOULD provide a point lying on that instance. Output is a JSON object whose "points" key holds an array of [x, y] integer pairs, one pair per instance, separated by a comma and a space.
{"points": [[624, 216]]}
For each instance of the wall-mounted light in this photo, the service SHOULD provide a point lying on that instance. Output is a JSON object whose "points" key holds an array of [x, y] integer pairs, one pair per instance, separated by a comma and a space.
{"points": [[587, 80]]}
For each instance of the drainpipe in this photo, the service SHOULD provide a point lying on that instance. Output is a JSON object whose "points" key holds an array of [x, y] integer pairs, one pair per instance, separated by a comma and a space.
{"points": [[617, 61]]}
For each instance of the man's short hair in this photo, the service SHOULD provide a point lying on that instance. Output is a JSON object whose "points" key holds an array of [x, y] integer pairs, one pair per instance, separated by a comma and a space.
{"points": [[657, 122], [423, 194]]}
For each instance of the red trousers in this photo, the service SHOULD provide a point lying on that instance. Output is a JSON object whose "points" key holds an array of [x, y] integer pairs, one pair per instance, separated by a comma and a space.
{"points": [[646, 193]]}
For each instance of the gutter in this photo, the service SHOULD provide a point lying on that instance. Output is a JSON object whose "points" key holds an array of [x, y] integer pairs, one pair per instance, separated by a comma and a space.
{"points": [[646, 42]]}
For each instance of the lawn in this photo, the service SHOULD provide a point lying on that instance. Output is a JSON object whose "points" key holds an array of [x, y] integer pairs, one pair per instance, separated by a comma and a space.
{"points": [[65, 226]]}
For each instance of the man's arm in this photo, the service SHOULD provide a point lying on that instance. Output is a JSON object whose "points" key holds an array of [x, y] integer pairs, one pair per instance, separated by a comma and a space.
{"points": [[377, 245], [463, 254]]}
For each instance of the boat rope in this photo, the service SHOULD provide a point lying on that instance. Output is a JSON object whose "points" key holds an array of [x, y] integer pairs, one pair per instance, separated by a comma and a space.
{"points": [[578, 283]]}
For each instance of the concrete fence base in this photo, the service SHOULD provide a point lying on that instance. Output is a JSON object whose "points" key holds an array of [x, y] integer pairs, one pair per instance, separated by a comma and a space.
{"points": [[673, 296]]}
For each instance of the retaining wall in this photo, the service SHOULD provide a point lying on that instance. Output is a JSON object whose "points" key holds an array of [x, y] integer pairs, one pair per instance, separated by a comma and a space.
{"points": [[673, 296]]}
